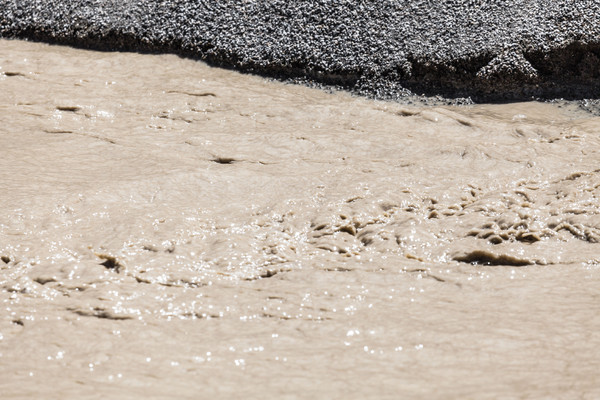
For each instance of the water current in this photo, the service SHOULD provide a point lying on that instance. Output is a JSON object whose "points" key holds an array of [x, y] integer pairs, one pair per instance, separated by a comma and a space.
{"points": [[172, 230]]}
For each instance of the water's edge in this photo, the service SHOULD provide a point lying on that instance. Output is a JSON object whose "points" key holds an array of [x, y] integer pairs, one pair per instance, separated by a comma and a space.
{"points": [[385, 53]]}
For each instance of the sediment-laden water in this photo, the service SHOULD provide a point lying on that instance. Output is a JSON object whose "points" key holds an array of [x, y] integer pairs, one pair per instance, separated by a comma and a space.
{"points": [[168, 229]]}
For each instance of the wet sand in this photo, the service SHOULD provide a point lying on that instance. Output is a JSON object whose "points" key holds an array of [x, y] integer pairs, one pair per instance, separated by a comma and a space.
{"points": [[168, 229]]}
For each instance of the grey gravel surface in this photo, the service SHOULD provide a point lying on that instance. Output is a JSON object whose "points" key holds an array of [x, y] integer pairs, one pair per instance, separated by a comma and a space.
{"points": [[484, 50]]}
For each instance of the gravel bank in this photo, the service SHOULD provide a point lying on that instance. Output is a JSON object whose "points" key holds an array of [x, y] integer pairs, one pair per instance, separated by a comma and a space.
{"points": [[487, 50]]}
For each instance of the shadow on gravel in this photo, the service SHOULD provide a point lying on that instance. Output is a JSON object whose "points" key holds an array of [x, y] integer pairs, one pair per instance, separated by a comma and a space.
{"points": [[570, 73]]}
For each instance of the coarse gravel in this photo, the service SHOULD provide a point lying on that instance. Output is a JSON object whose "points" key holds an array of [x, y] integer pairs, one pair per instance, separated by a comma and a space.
{"points": [[489, 50]]}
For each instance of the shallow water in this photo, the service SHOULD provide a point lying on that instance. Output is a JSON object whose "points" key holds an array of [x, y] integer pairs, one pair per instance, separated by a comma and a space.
{"points": [[170, 229]]}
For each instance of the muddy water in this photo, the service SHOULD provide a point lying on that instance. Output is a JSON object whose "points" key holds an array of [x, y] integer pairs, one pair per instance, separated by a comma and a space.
{"points": [[172, 230]]}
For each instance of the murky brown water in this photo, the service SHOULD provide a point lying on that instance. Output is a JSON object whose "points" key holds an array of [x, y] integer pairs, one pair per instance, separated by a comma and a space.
{"points": [[172, 230]]}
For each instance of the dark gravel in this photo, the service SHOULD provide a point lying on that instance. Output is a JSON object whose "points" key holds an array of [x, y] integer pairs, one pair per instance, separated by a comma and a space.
{"points": [[488, 50]]}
